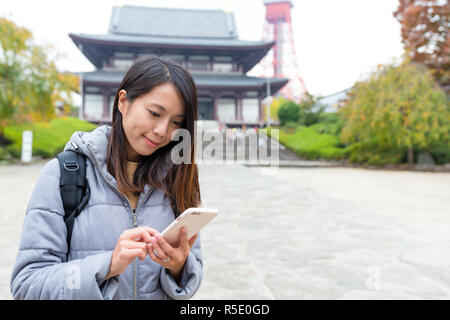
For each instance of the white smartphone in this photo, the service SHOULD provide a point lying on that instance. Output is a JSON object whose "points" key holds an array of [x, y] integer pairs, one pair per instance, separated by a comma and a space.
{"points": [[193, 219]]}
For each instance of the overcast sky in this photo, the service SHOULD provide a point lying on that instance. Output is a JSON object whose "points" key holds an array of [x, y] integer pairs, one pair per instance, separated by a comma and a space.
{"points": [[337, 42]]}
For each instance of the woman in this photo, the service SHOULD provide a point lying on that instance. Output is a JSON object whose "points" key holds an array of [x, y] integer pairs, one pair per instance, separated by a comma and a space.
{"points": [[136, 191]]}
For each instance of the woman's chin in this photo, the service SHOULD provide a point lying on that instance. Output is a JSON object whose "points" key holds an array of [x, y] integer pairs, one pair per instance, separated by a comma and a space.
{"points": [[146, 151]]}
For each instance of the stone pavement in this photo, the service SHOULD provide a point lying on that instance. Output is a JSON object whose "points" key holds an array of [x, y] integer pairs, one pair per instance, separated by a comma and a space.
{"points": [[299, 233], [326, 233]]}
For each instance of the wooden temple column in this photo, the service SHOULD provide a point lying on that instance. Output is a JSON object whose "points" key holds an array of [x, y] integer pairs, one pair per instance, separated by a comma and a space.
{"points": [[261, 112], [105, 94], [216, 105], [239, 105]]}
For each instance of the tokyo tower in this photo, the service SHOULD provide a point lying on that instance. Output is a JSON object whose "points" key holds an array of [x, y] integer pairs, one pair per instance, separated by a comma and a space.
{"points": [[281, 60]]}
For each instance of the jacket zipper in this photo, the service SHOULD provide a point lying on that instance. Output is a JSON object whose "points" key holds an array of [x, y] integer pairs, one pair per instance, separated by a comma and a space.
{"points": [[135, 260], [133, 212]]}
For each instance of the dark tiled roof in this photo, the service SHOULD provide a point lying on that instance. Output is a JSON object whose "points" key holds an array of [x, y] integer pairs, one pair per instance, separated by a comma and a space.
{"points": [[165, 22], [151, 30], [201, 80], [152, 41]]}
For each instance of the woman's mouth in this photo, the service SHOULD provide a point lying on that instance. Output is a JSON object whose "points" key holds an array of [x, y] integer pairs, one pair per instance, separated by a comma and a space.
{"points": [[151, 143]]}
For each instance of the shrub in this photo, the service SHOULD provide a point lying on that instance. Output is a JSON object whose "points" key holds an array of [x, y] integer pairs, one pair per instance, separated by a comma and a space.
{"points": [[48, 138], [291, 126], [310, 110], [4, 155], [328, 117], [310, 144], [370, 152], [289, 111], [440, 153], [333, 128]]}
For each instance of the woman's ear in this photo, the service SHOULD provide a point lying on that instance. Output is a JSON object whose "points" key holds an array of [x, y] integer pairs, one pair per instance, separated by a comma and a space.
{"points": [[122, 102]]}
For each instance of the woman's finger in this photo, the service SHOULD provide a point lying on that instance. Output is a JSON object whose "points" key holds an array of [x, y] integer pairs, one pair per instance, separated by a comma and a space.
{"points": [[135, 253], [137, 233], [192, 240], [152, 231], [165, 245], [152, 254], [159, 251], [184, 245], [129, 244]]}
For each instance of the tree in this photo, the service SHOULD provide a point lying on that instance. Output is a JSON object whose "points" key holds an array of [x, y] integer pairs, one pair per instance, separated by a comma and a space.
{"points": [[289, 111], [29, 82], [310, 110], [307, 112], [424, 28], [398, 108], [276, 103]]}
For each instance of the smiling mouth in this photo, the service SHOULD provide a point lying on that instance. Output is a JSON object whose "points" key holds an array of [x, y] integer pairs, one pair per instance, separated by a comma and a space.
{"points": [[151, 143]]}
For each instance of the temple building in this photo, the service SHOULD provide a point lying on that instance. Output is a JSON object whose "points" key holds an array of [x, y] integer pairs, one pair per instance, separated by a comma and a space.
{"points": [[203, 41]]}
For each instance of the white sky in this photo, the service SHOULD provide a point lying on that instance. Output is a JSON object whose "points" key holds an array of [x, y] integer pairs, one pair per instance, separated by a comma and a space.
{"points": [[337, 41]]}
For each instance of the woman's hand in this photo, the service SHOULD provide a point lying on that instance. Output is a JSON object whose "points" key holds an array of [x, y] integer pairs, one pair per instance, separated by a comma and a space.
{"points": [[170, 257], [131, 244]]}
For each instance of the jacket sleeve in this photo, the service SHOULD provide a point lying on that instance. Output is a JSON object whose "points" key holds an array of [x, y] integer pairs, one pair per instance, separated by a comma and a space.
{"points": [[41, 270], [191, 276]]}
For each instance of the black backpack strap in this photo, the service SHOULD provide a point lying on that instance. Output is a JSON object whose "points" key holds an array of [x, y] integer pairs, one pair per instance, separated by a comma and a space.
{"points": [[74, 187]]}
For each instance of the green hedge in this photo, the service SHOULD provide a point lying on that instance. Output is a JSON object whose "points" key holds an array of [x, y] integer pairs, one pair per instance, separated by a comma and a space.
{"points": [[48, 138], [370, 153], [440, 153], [307, 142], [322, 141]]}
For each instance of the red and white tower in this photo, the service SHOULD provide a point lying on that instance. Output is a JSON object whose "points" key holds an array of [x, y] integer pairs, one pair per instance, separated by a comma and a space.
{"points": [[281, 60]]}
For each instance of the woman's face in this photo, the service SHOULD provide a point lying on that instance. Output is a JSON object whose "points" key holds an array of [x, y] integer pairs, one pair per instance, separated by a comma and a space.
{"points": [[150, 120]]}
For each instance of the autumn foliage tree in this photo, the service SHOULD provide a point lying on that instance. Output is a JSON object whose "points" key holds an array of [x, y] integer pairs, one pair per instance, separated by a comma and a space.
{"points": [[30, 84], [276, 103], [399, 110], [424, 31]]}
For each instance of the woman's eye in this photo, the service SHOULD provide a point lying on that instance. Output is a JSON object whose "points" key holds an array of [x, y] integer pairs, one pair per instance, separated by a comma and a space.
{"points": [[178, 123], [153, 113]]}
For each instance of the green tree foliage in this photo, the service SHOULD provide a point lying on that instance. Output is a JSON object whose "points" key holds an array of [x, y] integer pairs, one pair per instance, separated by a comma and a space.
{"points": [[289, 111], [30, 84], [310, 110], [307, 112], [398, 110], [274, 107]]}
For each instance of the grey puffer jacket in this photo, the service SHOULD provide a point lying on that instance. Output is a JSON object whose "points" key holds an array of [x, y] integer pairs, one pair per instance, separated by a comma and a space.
{"points": [[41, 270]]}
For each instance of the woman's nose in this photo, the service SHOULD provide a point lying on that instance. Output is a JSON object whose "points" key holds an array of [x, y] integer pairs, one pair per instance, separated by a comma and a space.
{"points": [[161, 128]]}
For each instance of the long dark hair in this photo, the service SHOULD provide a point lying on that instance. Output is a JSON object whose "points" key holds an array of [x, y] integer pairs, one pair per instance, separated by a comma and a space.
{"points": [[180, 184]]}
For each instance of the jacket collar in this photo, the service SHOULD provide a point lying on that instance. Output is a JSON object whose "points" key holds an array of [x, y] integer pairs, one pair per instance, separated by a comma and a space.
{"points": [[94, 145]]}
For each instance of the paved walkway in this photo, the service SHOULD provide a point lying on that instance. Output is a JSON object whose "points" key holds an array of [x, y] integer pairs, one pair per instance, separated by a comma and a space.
{"points": [[299, 233]]}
